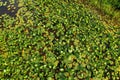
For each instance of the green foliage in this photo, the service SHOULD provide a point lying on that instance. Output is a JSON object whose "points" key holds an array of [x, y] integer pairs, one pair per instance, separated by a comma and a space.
{"points": [[108, 8], [59, 40], [116, 4]]}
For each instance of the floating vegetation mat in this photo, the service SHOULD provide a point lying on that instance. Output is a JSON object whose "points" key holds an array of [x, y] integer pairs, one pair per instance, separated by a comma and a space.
{"points": [[57, 40]]}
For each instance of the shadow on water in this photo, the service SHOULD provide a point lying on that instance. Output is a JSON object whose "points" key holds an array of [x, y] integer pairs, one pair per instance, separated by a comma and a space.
{"points": [[8, 8]]}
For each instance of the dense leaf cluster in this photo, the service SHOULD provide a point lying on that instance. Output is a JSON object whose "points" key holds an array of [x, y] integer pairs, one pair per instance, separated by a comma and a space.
{"points": [[57, 40], [116, 4]]}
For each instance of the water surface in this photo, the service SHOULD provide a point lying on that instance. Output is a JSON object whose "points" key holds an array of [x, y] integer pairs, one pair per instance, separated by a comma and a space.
{"points": [[9, 9]]}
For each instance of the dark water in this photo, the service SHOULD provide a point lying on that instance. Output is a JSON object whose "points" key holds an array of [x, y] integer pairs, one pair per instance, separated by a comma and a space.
{"points": [[4, 9]]}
